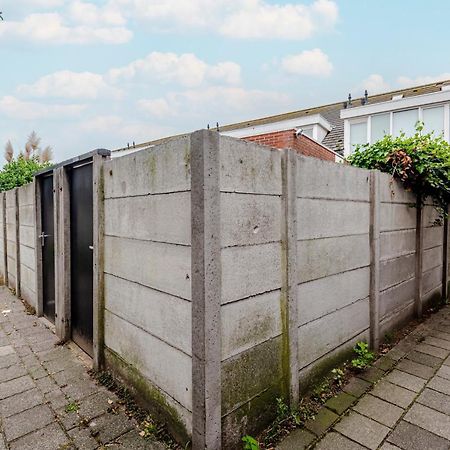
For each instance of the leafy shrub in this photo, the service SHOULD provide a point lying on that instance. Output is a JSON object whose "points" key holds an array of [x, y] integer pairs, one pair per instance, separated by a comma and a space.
{"points": [[250, 443], [364, 356], [421, 162]]}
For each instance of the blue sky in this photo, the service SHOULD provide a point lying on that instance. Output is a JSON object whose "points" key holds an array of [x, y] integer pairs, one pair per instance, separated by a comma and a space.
{"points": [[101, 73]]}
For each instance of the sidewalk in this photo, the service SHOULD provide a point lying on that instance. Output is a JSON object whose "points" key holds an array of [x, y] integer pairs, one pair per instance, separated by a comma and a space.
{"points": [[401, 403], [47, 398]]}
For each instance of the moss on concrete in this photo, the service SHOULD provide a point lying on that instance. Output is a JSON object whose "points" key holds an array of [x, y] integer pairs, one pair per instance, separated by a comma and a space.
{"points": [[147, 395]]}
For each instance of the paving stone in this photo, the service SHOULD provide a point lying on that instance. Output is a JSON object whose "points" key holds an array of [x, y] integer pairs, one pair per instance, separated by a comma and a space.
{"points": [[419, 370], [394, 394], [297, 440], [27, 421], [385, 363], [96, 404], [435, 400], [387, 446], [11, 372], [30, 361], [440, 335], [110, 426], [440, 384], [56, 398], [12, 387], [80, 389], [323, 420], [406, 380], [46, 384], [9, 360], [51, 437], [433, 351], [22, 350], [379, 410], [132, 441], [20, 402], [372, 374], [423, 358], [66, 376], [429, 420], [363, 430], [335, 441], [356, 387], [6, 350], [444, 372], [340, 402], [436, 342], [59, 364], [83, 439], [69, 419]]}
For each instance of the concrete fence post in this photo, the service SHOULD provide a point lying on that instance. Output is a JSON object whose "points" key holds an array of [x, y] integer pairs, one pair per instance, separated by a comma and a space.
{"points": [[445, 260], [99, 261], [419, 260], [290, 273], [374, 236], [61, 208], [17, 240], [206, 291], [5, 241]]}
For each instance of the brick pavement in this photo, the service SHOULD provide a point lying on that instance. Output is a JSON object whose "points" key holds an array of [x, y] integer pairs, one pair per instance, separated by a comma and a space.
{"points": [[48, 401], [401, 403]]}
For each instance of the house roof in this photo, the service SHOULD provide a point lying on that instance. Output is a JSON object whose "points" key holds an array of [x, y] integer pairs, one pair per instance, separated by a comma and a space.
{"points": [[331, 112]]}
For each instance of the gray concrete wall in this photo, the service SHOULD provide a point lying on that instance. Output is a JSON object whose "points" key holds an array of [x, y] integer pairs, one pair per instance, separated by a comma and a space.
{"points": [[2, 240], [11, 237], [251, 215], [397, 253], [333, 218], [26, 201], [433, 235], [148, 272]]}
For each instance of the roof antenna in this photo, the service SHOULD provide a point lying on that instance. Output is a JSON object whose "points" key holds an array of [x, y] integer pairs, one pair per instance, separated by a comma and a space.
{"points": [[207, 126], [366, 96], [349, 100], [217, 126]]}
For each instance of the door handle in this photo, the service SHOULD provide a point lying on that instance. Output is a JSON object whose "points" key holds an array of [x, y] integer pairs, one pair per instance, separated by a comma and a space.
{"points": [[91, 247], [42, 237]]}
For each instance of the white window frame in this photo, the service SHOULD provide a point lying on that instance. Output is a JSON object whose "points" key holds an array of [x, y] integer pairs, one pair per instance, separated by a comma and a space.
{"points": [[368, 119]]}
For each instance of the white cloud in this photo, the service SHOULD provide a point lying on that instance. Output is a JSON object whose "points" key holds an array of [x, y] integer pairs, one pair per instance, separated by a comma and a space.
{"points": [[308, 62], [54, 29], [427, 79], [113, 127], [91, 14], [374, 83], [14, 108], [67, 84], [186, 70], [255, 19], [220, 103], [260, 20]]}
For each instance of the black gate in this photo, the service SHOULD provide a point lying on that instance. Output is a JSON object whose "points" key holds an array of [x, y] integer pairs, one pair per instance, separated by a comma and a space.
{"points": [[47, 241], [81, 252]]}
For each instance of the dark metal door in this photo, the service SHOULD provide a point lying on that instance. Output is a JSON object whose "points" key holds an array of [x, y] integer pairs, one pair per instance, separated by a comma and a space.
{"points": [[47, 241], [81, 241]]}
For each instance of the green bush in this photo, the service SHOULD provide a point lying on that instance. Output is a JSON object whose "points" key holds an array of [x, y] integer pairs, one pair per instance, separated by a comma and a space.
{"points": [[19, 171], [364, 357], [421, 162]]}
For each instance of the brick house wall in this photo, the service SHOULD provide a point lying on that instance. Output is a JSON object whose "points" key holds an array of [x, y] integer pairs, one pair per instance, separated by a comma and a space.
{"points": [[287, 139]]}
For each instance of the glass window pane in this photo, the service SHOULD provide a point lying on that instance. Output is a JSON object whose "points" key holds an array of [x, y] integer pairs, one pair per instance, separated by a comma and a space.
{"points": [[379, 127], [405, 121], [433, 120], [358, 134]]}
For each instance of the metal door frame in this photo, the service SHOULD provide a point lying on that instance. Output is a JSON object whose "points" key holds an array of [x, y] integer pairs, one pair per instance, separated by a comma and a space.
{"points": [[62, 247]]}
